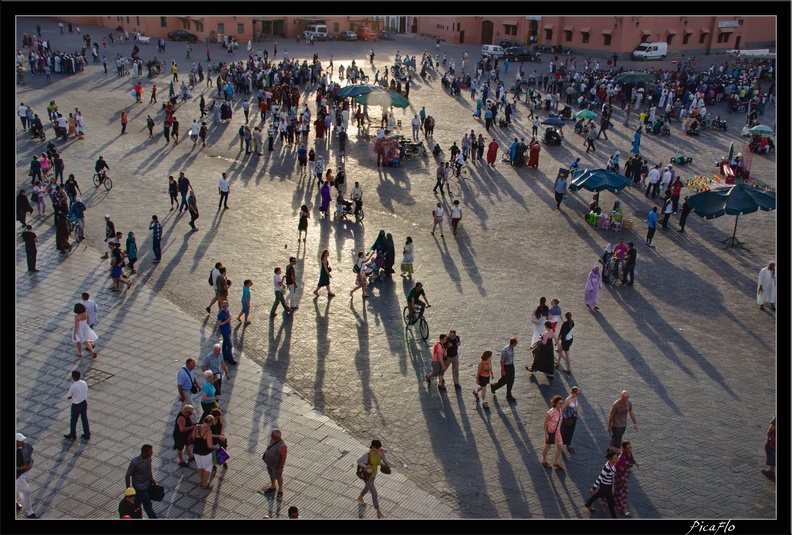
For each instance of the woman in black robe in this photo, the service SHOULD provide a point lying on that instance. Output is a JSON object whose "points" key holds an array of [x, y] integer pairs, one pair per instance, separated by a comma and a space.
{"points": [[389, 254], [23, 207], [543, 353]]}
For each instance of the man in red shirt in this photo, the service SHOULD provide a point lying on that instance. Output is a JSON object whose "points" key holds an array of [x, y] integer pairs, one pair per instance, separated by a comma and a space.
{"points": [[438, 364], [676, 191]]}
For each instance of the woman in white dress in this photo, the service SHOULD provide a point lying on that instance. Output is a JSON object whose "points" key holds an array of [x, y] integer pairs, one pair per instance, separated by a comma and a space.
{"points": [[83, 334]]}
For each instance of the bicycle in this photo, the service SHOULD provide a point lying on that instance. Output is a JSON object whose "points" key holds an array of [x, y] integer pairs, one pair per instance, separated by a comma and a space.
{"points": [[420, 320], [461, 171], [99, 180]]}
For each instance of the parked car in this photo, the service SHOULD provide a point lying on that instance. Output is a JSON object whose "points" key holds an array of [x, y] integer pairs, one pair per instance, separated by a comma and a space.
{"points": [[645, 51], [518, 53], [366, 34], [144, 40], [506, 43], [348, 35], [493, 50], [182, 35]]}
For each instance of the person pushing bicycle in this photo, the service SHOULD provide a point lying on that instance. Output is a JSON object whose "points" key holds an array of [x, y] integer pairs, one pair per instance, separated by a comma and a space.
{"points": [[414, 299]]}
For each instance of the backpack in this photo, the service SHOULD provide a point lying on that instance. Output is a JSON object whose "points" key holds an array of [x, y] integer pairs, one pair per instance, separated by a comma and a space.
{"points": [[211, 282], [356, 268]]}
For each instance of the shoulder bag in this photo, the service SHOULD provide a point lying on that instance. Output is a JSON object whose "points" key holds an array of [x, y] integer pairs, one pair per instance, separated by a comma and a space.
{"points": [[362, 471]]}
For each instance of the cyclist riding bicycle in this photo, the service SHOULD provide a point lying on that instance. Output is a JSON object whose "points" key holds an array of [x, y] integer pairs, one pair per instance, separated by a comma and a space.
{"points": [[460, 161], [414, 299], [100, 167]]}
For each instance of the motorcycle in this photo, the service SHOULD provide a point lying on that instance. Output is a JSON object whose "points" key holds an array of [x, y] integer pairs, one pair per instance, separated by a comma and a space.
{"points": [[37, 133], [720, 124]]}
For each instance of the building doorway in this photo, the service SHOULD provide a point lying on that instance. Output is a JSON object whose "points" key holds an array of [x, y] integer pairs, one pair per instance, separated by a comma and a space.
{"points": [[487, 30], [737, 42], [533, 31], [461, 37]]}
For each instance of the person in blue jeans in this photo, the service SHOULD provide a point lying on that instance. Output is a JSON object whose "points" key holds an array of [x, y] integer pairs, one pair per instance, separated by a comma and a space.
{"points": [[184, 188], [224, 326], [156, 226], [140, 477]]}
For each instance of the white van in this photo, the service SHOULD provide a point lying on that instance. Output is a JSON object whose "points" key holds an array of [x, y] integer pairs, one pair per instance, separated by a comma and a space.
{"points": [[645, 51], [318, 31], [494, 50]]}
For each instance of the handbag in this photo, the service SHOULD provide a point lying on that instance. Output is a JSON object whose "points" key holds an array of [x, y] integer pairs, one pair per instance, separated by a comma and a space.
{"points": [[157, 492], [385, 468], [363, 471], [222, 456], [568, 414]]}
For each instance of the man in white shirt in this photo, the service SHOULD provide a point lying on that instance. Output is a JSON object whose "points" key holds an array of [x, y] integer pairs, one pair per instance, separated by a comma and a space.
{"points": [[665, 181], [380, 133], [278, 286], [456, 215], [22, 111], [90, 308], [224, 188], [194, 128], [78, 394], [357, 195], [416, 126], [654, 181]]}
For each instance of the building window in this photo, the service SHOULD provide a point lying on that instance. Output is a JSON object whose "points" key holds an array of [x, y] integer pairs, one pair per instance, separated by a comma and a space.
{"points": [[702, 38], [685, 38], [644, 38], [127, 20], [164, 22], [240, 29], [186, 24], [548, 35], [220, 28], [567, 35], [585, 36], [335, 27], [606, 39], [118, 18], [723, 37], [137, 21], [199, 27], [510, 30], [669, 39]]}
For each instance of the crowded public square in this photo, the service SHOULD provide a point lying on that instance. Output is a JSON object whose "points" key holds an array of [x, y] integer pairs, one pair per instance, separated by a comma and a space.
{"points": [[394, 278]]}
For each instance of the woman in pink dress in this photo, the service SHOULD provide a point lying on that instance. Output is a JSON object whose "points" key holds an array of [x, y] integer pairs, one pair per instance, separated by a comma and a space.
{"points": [[623, 467], [552, 432], [593, 285], [492, 152], [45, 165]]}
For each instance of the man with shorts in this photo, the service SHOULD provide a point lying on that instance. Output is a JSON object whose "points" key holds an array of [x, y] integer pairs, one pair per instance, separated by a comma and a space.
{"points": [[414, 298], [617, 421]]}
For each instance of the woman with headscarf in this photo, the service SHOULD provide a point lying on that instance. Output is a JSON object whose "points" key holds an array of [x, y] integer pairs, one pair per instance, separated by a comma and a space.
{"points": [[478, 108], [325, 190], [623, 467], [636, 146], [379, 243], [131, 251], [594, 283], [23, 208], [407, 261], [390, 254], [538, 317], [535, 149], [62, 235]]}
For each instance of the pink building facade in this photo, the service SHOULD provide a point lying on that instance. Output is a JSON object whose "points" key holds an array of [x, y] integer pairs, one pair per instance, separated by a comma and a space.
{"points": [[606, 35], [243, 28]]}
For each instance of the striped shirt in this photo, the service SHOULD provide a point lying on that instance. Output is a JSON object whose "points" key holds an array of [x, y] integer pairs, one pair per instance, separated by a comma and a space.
{"points": [[605, 477]]}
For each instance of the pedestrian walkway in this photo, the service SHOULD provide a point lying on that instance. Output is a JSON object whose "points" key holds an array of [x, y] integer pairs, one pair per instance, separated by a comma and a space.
{"points": [[143, 341]]}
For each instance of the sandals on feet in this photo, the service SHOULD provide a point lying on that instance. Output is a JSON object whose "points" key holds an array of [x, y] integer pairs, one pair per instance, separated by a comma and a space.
{"points": [[559, 467], [545, 464]]}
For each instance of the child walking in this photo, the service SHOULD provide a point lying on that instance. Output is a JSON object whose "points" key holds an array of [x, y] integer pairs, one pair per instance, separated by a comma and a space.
{"points": [[245, 301], [483, 376]]}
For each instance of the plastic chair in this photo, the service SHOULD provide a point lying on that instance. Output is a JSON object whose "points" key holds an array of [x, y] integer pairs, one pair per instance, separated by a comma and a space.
{"points": [[616, 226], [606, 223], [395, 163]]}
